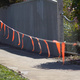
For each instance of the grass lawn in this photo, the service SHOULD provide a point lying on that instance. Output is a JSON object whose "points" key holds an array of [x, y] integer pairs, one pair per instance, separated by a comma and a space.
{"points": [[7, 74]]}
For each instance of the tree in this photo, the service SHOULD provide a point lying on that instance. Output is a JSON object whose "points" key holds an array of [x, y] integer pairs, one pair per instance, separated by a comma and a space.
{"points": [[69, 28], [67, 8], [15, 1], [76, 13], [8, 2], [72, 10], [4, 3], [70, 34], [76, 7]]}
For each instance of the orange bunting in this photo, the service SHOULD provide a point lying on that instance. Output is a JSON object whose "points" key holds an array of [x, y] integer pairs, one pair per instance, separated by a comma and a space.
{"points": [[4, 29], [18, 38], [63, 51], [47, 48], [13, 35], [22, 41], [1, 25], [32, 42], [8, 32], [58, 46], [39, 45]]}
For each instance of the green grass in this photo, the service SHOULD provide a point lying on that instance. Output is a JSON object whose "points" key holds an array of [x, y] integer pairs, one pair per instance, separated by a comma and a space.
{"points": [[7, 74]]}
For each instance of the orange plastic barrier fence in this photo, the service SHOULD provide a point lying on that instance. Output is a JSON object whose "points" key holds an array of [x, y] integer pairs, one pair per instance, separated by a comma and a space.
{"points": [[39, 45], [8, 32], [4, 29], [18, 38], [32, 42], [1, 25], [74, 44], [63, 51], [57, 43], [13, 35], [47, 48], [58, 46], [22, 41]]}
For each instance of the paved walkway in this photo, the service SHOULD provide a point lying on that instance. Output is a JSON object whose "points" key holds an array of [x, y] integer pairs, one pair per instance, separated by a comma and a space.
{"points": [[37, 67]]}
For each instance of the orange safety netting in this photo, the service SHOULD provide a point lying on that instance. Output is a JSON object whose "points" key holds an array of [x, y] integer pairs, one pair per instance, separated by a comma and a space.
{"points": [[18, 37], [8, 32], [39, 45], [58, 46], [47, 48], [32, 42], [22, 41], [63, 51], [13, 35]]}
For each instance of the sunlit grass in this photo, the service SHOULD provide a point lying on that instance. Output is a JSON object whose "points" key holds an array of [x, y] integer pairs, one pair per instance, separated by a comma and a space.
{"points": [[7, 74]]}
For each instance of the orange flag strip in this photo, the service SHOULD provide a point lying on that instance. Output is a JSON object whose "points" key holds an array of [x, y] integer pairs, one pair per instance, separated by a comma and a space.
{"points": [[18, 38], [4, 29], [8, 32], [22, 41], [63, 51], [13, 35], [32, 42], [1, 25], [39, 45], [74, 44], [47, 48], [58, 46]]}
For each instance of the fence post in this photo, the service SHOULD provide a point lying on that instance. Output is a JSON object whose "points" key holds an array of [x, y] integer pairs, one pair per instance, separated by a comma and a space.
{"points": [[60, 20]]}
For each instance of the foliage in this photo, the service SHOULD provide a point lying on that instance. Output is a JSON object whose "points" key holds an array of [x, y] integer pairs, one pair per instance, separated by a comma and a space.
{"points": [[8, 2], [72, 30], [76, 13], [69, 28], [67, 8], [6, 74], [4, 2], [76, 7], [15, 1]]}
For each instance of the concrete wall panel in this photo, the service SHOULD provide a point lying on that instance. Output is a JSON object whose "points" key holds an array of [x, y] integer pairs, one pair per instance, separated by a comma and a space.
{"points": [[36, 18]]}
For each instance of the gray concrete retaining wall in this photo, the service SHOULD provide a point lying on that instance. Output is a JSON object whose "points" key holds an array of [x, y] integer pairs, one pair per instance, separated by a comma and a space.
{"points": [[36, 18]]}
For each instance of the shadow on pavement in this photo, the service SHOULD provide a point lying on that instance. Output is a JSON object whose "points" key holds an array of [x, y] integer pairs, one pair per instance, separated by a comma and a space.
{"points": [[58, 65], [48, 65], [21, 52]]}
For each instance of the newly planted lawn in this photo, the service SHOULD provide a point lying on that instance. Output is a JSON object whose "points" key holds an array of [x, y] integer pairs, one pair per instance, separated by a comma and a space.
{"points": [[6, 74]]}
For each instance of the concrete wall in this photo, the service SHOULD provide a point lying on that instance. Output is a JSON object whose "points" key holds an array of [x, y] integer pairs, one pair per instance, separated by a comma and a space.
{"points": [[37, 18]]}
